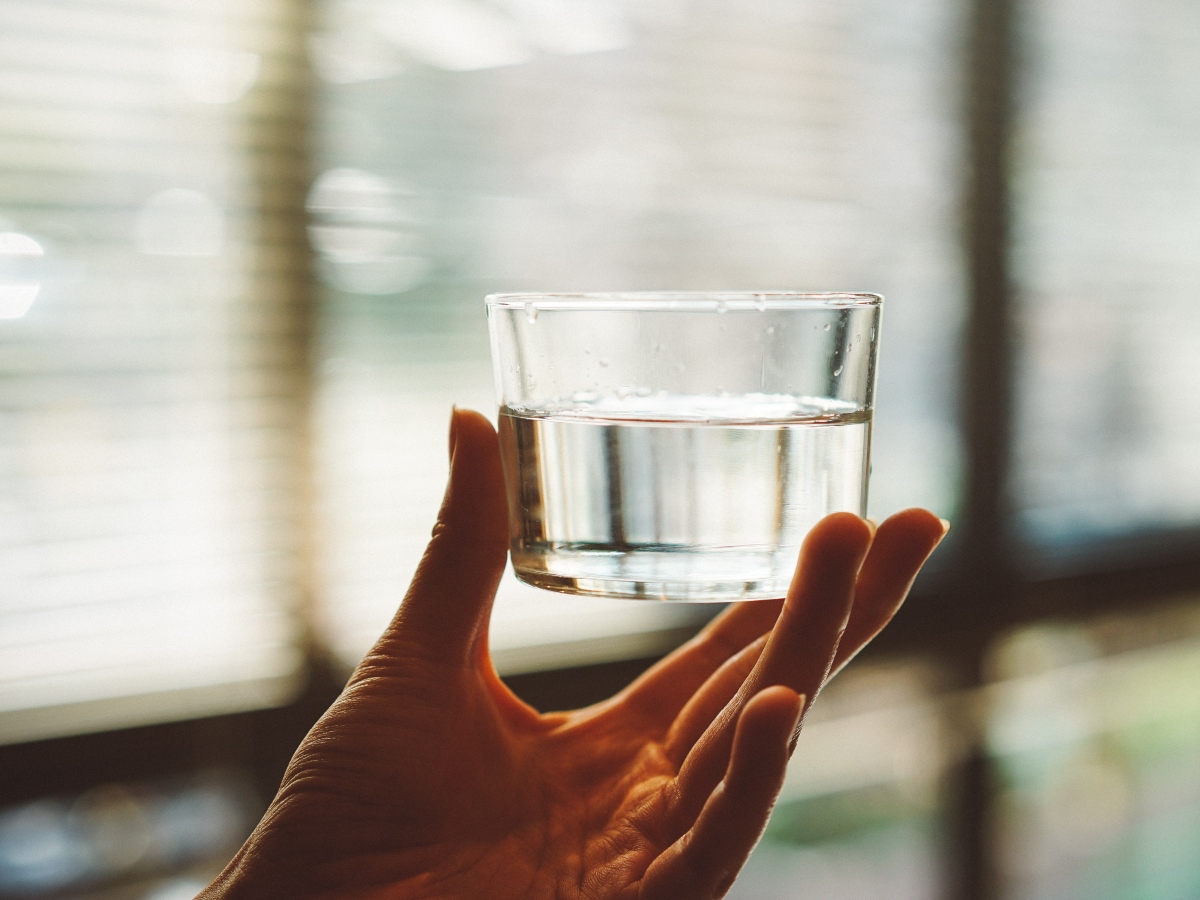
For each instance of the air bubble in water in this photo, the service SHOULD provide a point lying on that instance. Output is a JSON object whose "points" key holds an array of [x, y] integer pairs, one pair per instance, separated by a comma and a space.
{"points": [[826, 326], [837, 371], [531, 312], [770, 329]]}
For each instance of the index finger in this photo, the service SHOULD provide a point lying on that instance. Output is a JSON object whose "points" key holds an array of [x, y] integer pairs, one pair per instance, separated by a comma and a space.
{"points": [[799, 652], [667, 686]]}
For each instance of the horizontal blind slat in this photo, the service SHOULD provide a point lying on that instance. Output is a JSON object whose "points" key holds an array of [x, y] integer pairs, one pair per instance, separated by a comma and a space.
{"points": [[149, 395]]}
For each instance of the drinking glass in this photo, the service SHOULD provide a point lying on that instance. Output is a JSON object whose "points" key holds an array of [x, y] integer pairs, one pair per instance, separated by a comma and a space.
{"points": [[679, 445]]}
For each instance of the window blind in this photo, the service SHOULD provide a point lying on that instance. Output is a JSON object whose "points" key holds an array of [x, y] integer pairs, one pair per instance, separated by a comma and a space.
{"points": [[1107, 219], [152, 273], [466, 147]]}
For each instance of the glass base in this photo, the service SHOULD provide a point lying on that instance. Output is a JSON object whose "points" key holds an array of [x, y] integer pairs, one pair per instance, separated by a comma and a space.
{"points": [[680, 574]]}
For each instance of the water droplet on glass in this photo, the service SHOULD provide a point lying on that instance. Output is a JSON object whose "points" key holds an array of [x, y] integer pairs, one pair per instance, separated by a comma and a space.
{"points": [[531, 313], [826, 326], [770, 329], [858, 337], [837, 371], [603, 363]]}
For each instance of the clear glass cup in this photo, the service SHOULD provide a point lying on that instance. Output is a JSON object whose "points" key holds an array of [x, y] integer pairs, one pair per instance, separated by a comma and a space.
{"points": [[679, 445]]}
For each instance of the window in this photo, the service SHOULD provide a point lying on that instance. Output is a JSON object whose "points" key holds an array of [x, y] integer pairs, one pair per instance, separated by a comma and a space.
{"points": [[1107, 212], [243, 253], [150, 278], [861, 813], [1095, 734], [465, 149]]}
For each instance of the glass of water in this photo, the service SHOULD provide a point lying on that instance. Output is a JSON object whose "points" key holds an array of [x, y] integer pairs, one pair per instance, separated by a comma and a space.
{"points": [[679, 446]]}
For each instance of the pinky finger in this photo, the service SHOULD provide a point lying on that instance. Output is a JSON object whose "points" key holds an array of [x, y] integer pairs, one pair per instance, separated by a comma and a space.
{"points": [[703, 864]]}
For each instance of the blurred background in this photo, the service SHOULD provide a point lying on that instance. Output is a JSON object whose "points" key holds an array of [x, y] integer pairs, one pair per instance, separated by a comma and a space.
{"points": [[243, 251]]}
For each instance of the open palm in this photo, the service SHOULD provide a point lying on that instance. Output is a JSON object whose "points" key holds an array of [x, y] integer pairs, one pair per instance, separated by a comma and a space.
{"points": [[428, 778]]}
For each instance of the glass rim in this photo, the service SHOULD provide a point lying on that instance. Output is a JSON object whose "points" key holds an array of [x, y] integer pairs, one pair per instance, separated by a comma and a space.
{"points": [[683, 301]]}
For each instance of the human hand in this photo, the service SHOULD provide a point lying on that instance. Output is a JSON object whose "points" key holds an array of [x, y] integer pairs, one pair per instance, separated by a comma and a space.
{"points": [[429, 778]]}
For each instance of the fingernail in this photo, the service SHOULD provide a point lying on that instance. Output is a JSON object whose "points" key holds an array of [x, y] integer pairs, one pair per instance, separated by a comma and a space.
{"points": [[945, 525], [453, 429], [794, 737], [798, 712], [873, 525]]}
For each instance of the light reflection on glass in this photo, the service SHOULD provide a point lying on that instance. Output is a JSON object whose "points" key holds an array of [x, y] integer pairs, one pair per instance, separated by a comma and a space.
{"points": [[180, 222], [455, 35], [176, 889], [571, 26], [18, 289], [464, 35], [353, 54], [123, 830], [364, 229], [37, 849], [214, 74]]}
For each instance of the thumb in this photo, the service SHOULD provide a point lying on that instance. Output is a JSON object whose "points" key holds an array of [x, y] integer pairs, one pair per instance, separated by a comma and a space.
{"points": [[447, 607]]}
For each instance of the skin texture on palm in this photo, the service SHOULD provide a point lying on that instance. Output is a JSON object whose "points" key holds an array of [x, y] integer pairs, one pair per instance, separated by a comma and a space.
{"points": [[428, 778]]}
